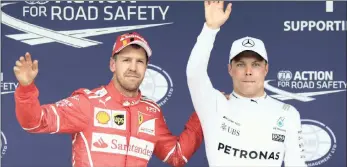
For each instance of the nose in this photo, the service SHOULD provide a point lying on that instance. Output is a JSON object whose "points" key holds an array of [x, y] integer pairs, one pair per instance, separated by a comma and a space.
{"points": [[248, 71], [132, 66]]}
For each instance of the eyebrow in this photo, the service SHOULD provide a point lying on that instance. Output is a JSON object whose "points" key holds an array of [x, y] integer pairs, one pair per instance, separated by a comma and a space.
{"points": [[128, 57], [121, 56], [256, 61]]}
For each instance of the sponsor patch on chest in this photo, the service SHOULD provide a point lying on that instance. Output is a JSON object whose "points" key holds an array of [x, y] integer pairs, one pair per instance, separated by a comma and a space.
{"points": [[106, 118], [146, 124], [116, 144], [278, 137]]}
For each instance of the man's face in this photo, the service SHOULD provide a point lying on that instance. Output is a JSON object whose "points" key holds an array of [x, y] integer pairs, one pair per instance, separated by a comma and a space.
{"points": [[129, 68], [248, 74]]}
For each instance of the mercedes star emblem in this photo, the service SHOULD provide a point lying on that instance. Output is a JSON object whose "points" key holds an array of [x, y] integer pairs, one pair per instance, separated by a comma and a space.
{"points": [[248, 43]]}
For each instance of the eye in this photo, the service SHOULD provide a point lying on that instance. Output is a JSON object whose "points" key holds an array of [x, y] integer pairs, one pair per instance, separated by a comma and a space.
{"points": [[140, 61], [240, 65], [256, 64], [126, 60]]}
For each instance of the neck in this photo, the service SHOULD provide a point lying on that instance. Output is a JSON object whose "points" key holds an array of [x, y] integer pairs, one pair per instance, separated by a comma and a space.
{"points": [[252, 96], [123, 91]]}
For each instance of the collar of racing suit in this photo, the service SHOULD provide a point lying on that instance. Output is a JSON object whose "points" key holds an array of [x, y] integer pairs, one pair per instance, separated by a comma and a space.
{"points": [[256, 100], [120, 98]]}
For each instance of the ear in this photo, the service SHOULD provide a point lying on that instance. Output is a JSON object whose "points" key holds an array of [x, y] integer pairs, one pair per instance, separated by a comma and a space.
{"points": [[112, 64], [229, 70], [266, 68]]}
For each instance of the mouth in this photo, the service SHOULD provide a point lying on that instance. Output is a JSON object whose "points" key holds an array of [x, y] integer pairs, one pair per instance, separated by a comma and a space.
{"points": [[132, 76], [248, 81]]}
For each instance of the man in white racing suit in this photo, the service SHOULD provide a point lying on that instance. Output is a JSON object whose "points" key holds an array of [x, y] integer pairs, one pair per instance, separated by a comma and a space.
{"points": [[251, 128]]}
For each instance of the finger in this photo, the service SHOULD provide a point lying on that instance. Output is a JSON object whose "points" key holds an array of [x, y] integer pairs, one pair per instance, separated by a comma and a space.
{"points": [[22, 60], [28, 58], [35, 65], [228, 10], [18, 63], [206, 3], [220, 4], [16, 69]]}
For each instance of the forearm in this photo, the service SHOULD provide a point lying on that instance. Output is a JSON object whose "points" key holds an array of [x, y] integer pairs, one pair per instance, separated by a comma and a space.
{"points": [[28, 109], [200, 87], [188, 142], [69, 115], [200, 55], [177, 151]]}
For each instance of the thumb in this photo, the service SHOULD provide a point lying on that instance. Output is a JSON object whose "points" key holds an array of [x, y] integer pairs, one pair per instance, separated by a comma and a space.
{"points": [[228, 10], [35, 65]]}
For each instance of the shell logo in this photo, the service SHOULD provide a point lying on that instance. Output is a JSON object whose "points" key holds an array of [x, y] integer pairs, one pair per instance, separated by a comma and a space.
{"points": [[103, 117]]}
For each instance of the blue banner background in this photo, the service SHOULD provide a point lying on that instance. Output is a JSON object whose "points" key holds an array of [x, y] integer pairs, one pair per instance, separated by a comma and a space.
{"points": [[63, 69]]}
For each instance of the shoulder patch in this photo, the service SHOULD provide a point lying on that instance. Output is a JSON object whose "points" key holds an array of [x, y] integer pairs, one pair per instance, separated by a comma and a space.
{"points": [[81, 91], [144, 98], [92, 94], [286, 107], [87, 91], [97, 93], [152, 105]]}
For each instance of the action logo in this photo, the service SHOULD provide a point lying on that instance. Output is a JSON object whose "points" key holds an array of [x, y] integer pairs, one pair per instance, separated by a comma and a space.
{"points": [[157, 85], [76, 11], [319, 142], [323, 82], [3, 144]]}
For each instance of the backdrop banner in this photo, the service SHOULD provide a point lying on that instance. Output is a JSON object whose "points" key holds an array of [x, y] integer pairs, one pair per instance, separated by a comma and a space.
{"points": [[73, 41]]}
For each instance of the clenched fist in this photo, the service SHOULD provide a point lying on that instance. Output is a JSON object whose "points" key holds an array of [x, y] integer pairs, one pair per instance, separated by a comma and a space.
{"points": [[26, 70], [215, 15]]}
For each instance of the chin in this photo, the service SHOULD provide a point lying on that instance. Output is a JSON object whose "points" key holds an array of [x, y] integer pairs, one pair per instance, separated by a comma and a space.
{"points": [[248, 94], [249, 91], [131, 88]]}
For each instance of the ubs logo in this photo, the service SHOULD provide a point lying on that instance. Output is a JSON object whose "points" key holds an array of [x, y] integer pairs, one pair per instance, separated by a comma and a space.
{"points": [[230, 130]]}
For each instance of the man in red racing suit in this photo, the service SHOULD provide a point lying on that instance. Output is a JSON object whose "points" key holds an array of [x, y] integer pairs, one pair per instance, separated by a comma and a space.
{"points": [[108, 128]]}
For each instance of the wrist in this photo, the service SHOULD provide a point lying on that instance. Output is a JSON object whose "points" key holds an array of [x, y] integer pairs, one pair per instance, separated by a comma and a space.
{"points": [[23, 89], [212, 27], [24, 84], [209, 29]]}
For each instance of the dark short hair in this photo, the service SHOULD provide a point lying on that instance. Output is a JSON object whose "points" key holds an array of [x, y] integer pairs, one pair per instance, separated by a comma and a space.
{"points": [[135, 46], [247, 52]]}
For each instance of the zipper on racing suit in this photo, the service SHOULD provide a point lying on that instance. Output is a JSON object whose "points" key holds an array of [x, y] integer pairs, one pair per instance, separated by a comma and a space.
{"points": [[128, 132]]}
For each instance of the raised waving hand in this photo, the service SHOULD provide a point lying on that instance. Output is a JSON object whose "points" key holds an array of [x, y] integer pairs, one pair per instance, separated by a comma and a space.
{"points": [[26, 70], [215, 14]]}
